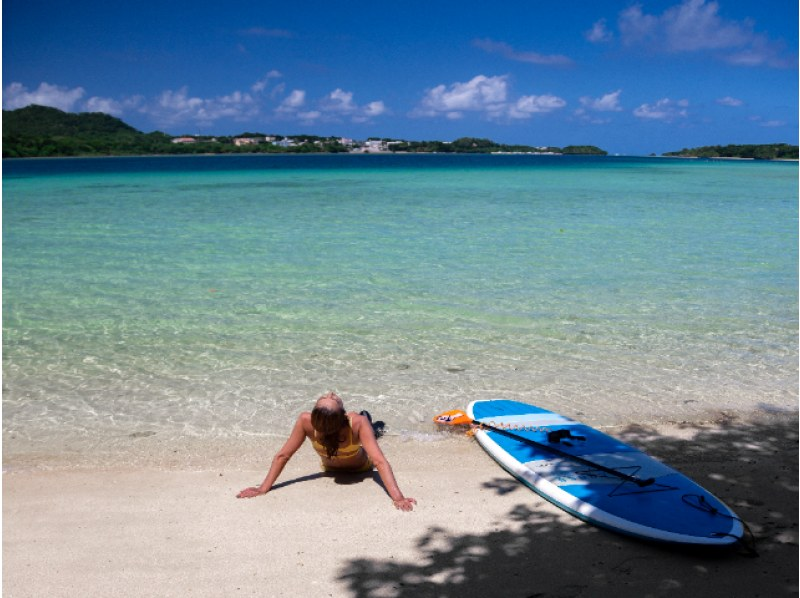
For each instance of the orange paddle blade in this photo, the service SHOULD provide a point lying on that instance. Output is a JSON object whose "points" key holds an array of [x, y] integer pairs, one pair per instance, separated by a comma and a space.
{"points": [[454, 417]]}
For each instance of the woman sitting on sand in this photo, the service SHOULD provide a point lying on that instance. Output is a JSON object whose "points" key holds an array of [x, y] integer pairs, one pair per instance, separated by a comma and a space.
{"points": [[344, 441]]}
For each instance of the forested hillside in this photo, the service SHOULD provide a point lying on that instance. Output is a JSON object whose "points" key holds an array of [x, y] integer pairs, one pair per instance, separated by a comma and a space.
{"points": [[774, 151]]}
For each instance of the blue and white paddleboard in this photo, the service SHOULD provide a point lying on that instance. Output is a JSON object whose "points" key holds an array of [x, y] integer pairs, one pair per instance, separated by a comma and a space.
{"points": [[600, 479]]}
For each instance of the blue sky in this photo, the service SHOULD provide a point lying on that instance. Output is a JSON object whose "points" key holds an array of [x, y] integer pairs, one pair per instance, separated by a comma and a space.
{"points": [[630, 77]]}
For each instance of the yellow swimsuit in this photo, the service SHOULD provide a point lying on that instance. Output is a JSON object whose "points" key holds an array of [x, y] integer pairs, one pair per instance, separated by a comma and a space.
{"points": [[351, 449]]}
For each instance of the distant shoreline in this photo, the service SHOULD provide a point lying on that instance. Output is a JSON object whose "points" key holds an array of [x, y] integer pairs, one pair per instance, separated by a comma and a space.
{"points": [[295, 154], [727, 158]]}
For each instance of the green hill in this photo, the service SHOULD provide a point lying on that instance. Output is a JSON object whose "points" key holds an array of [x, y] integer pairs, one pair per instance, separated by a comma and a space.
{"points": [[39, 131], [773, 151], [41, 121]]}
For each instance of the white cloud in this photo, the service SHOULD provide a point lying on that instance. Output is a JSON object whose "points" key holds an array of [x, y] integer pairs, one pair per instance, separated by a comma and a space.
{"points": [[174, 107], [606, 103], [483, 95], [340, 101], [277, 91], [696, 25], [335, 106], [510, 53], [309, 116], [105, 105], [479, 93], [635, 26], [17, 95], [526, 106], [729, 101], [665, 110], [375, 109], [761, 51], [370, 111], [293, 102], [177, 107], [767, 123], [599, 32], [260, 85]]}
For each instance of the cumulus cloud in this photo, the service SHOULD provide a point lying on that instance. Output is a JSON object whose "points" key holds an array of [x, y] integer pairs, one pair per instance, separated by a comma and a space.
{"points": [[262, 84], [692, 25], [293, 102], [340, 101], [599, 32], [761, 51], [178, 107], [606, 103], [506, 51], [664, 110], [478, 94], [293, 107], [483, 95], [335, 106], [696, 25], [374, 109], [527, 106], [591, 106], [173, 107], [105, 105], [309, 116], [16, 95], [370, 111]]}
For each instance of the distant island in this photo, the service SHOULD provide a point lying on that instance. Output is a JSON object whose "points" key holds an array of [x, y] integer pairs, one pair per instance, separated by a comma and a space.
{"points": [[775, 151], [40, 131]]}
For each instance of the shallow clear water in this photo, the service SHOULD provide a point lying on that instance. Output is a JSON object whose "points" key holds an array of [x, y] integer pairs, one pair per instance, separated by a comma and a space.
{"points": [[218, 296]]}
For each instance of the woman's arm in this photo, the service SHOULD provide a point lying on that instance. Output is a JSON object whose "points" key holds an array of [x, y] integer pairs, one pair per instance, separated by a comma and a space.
{"points": [[295, 441], [366, 436]]}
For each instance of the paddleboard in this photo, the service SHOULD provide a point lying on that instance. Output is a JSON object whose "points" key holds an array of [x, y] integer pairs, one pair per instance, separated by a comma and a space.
{"points": [[600, 479]]}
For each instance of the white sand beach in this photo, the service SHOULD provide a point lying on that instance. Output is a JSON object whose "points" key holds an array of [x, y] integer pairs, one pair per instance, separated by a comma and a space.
{"points": [[176, 529]]}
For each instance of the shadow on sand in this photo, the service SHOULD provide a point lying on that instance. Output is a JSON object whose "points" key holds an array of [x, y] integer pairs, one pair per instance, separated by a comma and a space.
{"points": [[535, 552], [343, 478]]}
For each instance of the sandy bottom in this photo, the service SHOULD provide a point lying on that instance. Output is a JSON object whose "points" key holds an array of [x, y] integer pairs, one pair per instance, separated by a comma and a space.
{"points": [[140, 530]]}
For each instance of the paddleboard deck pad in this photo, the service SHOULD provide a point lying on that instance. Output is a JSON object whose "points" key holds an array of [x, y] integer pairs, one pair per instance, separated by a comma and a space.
{"points": [[600, 479]]}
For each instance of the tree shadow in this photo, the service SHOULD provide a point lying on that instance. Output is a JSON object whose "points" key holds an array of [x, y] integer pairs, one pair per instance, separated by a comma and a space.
{"points": [[540, 552]]}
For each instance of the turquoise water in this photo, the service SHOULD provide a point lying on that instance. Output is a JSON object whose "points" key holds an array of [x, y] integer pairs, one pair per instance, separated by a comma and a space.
{"points": [[218, 296]]}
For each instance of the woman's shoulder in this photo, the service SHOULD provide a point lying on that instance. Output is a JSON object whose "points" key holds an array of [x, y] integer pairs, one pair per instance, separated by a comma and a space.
{"points": [[358, 421]]}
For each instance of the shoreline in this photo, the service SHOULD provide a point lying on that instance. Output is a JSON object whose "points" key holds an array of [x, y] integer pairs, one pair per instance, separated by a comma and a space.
{"points": [[150, 450], [389, 153], [141, 529]]}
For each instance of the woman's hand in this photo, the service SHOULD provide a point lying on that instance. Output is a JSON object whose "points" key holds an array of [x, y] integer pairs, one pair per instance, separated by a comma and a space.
{"points": [[405, 504], [250, 492]]}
